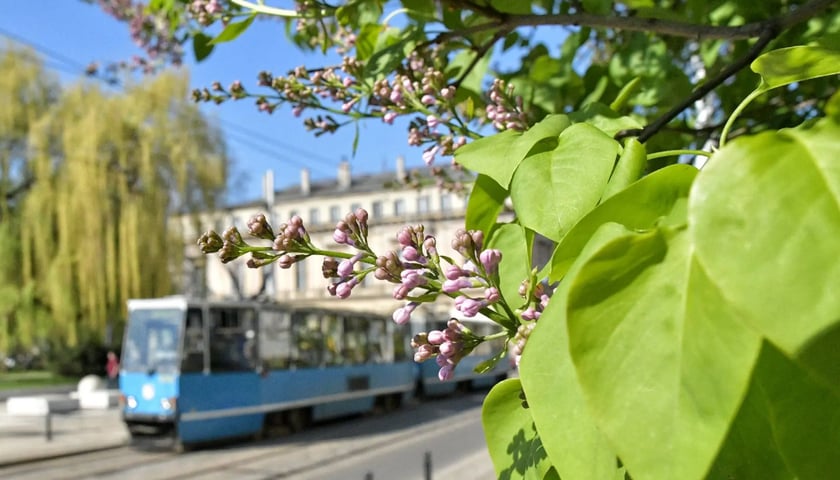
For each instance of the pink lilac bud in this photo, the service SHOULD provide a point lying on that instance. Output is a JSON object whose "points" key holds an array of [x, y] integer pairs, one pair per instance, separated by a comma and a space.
{"points": [[449, 349], [258, 227], [468, 306], [446, 373], [453, 272], [423, 353], [432, 121], [405, 237], [410, 253], [403, 314], [492, 295], [344, 289], [412, 278], [435, 337], [348, 265], [452, 286], [389, 117], [285, 261], [530, 314], [490, 259], [429, 155], [428, 100]]}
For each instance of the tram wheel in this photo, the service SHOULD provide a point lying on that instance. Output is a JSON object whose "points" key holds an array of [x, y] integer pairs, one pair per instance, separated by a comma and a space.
{"points": [[298, 419]]}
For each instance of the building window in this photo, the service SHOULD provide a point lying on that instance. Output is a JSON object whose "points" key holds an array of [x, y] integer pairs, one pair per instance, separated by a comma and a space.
{"points": [[423, 204], [377, 209], [399, 207], [314, 217], [335, 213], [300, 276], [446, 202]]}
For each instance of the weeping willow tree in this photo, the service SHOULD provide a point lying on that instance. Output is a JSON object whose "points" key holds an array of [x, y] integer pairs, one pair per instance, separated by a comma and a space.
{"points": [[105, 171], [26, 93]]}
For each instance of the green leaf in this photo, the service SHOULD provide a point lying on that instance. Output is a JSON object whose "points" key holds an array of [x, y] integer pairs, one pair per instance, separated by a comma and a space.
{"points": [[597, 7], [473, 82], [487, 199], [508, 6], [515, 447], [639, 207], [202, 48], [765, 216], [786, 427], [498, 156], [233, 30], [664, 364], [795, 64], [511, 240], [603, 118], [552, 190], [629, 167], [390, 53], [367, 39], [575, 446]]}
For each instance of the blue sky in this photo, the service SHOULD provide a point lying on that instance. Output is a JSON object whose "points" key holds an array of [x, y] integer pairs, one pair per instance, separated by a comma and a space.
{"points": [[69, 34]]}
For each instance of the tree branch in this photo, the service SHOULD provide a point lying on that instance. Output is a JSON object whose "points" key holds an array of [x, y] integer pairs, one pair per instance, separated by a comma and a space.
{"points": [[701, 91], [653, 25]]}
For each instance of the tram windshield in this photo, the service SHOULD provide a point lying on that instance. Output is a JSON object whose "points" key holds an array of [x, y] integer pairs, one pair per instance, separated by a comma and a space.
{"points": [[151, 340]]}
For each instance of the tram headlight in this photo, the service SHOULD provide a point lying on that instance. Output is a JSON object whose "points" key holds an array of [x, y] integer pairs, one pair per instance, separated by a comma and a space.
{"points": [[168, 403], [131, 402]]}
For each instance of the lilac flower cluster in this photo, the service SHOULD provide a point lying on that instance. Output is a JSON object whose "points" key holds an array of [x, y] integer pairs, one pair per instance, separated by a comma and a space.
{"points": [[505, 110], [152, 32], [447, 346], [415, 268], [205, 12]]}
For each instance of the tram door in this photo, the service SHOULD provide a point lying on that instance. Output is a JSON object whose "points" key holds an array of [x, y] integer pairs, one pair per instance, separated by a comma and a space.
{"points": [[224, 396]]}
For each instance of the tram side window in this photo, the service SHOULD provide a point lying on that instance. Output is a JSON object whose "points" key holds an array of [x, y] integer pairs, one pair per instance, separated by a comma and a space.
{"points": [[356, 340], [232, 339], [332, 328], [402, 338], [377, 340], [275, 338], [308, 339], [193, 359]]}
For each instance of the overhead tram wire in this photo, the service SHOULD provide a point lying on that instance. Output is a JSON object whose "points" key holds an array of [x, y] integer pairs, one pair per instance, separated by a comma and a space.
{"points": [[74, 67]]}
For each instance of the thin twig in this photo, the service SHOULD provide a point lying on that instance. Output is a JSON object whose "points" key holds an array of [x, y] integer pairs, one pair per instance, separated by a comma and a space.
{"points": [[479, 53]]}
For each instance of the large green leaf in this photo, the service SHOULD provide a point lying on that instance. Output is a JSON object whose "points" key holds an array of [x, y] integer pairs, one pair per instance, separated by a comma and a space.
{"points": [[577, 449], [510, 239], [552, 190], [497, 156], [515, 447], [794, 64], [787, 427], [663, 360], [765, 217], [638, 207], [487, 199]]}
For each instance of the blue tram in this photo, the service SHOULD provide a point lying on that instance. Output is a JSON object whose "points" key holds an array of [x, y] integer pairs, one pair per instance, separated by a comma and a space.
{"points": [[196, 371]]}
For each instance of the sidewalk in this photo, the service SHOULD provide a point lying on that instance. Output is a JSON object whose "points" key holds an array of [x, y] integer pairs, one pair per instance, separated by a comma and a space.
{"points": [[23, 438]]}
